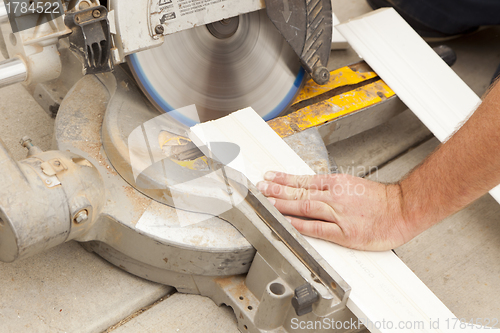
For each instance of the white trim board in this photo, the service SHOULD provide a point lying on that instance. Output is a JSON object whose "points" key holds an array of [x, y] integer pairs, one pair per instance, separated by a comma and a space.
{"points": [[383, 287], [420, 78], [338, 41]]}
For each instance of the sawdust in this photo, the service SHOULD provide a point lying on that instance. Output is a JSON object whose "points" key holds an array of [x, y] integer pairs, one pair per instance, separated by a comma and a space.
{"points": [[94, 151], [89, 120], [140, 202]]}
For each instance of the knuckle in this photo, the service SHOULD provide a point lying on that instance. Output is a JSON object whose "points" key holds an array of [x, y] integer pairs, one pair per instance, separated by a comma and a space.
{"points": [[332, 213], [306, 207], [329, 182], [302, 181], [288, 192], [302, 194], [314, 187], [279, 177], [283, 176], [318, 230], [274, 189]]}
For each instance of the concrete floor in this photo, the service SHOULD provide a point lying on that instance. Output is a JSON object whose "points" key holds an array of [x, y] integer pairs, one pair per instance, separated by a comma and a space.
{"points": [[68, 289]]}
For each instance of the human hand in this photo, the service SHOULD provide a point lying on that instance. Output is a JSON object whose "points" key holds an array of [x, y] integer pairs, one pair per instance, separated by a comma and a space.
{"points": [[350, 211]]}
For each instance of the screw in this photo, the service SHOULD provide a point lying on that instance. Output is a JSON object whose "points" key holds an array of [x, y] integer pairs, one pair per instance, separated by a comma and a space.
{"points": [[159, 29], [320, 75], [81, 217], [26, 142], [96, 13], [57, 163]]}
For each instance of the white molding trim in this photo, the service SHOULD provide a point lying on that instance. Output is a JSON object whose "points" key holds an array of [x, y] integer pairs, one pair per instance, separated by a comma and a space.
{"points": [[383, 288], [338, 41], [420, 78]]}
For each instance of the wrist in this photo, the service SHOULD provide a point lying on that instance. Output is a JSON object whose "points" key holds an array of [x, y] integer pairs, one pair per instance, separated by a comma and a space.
{"points": [[398, 212], [418, 209]]}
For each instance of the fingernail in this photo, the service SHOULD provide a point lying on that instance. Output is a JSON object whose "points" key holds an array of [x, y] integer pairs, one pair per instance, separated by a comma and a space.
{"points": [[270, 175], [288, 219], [272, 201], [262, 186]]}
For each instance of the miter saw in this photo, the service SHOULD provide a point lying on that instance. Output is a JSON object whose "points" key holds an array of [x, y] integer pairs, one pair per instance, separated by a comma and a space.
{"points": [[165, 222], [220, 55]]}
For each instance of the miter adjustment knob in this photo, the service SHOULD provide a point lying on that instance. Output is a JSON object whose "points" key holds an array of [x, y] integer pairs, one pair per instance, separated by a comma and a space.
{"points": [[304, 298]]}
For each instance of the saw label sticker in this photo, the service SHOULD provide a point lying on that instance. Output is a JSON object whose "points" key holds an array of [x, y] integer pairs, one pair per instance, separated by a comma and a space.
{"points": [[187, 7], [177, 15]]}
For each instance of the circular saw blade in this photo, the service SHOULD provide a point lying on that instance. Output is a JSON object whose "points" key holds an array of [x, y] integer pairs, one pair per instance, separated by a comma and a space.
{"points": [[254, 67]]}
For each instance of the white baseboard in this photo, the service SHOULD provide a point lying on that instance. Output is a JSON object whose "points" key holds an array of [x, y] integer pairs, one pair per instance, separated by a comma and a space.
{"points": [[384, 289]]}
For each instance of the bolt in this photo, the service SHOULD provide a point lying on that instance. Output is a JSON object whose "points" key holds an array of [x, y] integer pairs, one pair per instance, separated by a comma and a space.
{"points": [[81, 217], [159, 29], [320, 75], [57, 163], [26, 142], [96, 13], [32, 149]]}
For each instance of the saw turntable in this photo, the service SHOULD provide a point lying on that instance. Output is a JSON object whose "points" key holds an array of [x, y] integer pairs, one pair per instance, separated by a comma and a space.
{"points": [[127, 182]]}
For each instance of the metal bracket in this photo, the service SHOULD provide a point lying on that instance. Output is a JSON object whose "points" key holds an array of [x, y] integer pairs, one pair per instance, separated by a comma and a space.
{"points": [[91, 38], [307, 27]]}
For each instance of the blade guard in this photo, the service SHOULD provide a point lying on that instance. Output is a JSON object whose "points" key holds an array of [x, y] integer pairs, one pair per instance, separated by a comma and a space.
{"points": [[307, 27]]}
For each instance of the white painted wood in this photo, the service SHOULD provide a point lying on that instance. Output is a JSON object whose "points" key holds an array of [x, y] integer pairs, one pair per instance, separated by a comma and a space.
{"points": [[423, 81], [384, 289], [406, 63], [338, 41], [257, 155]]}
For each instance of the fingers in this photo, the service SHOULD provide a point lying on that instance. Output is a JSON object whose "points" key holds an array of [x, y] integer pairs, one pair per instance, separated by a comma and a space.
{"points": [[316, 182], [308, 208], [318, 229], [270, 189]]}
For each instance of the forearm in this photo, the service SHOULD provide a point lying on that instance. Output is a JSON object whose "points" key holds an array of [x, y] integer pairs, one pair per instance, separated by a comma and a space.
{"points": [[383, 216], [458, 172]]}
